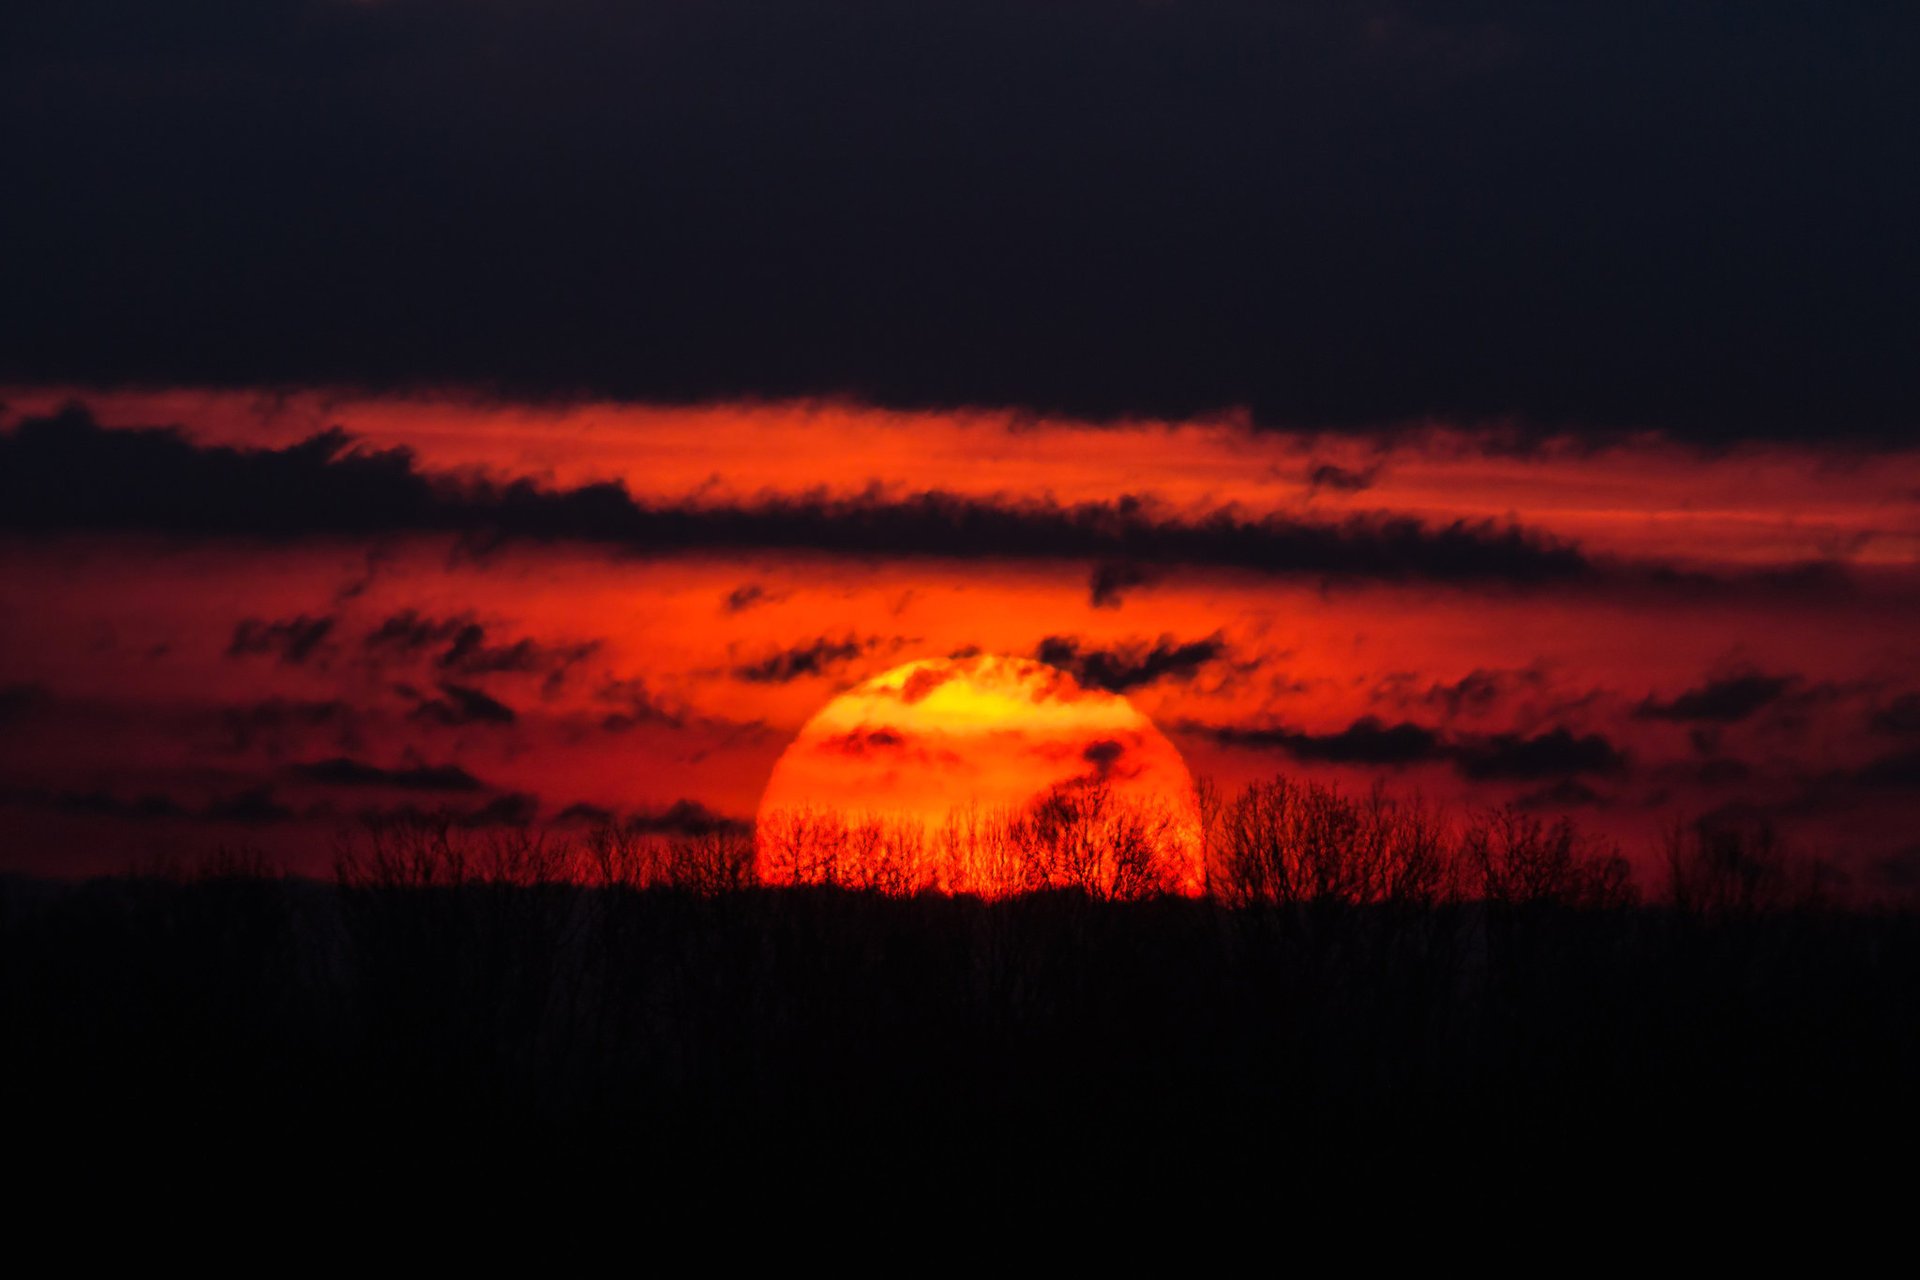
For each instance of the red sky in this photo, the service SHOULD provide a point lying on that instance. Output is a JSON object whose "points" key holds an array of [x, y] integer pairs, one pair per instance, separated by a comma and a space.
{"points": [[1675, 631]]}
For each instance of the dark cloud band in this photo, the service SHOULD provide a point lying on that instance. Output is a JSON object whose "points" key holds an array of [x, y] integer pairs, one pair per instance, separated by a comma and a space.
{"points": [[1130, 665], [1555, 753], [68, 474]]}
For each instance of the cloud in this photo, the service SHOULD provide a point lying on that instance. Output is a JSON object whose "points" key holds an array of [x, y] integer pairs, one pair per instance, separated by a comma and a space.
{"points": [[269, 723], [23, 699], [1901, 716], [66, 474], [410, 634], [1328, 475], [96, 803], [1109, 582], [746, 596], [253, 806], [1555, 753], [256, 806], [1306, 210], [1104, 755], [1899, 771], [509, 809], [883, 744], [814, 658], [463, 648], [681, 818], [685, 818], [344, 771], [635, 705], [514, 809], [1130, 664], [292, 640], [1568, 793], [1727, 700], [927, 679], [471, 655], [1479, 691], [1722, 771], [463, 705], [1365, 741], [863, 742]]}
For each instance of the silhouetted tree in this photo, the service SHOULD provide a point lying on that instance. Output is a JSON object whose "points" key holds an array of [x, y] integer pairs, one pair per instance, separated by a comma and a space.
{"points": [[1520, 860], [1731, 869], [1285, 841]]}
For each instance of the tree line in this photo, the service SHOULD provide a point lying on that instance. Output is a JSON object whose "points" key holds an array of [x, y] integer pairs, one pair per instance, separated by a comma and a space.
{"points": [[1275, 842]]}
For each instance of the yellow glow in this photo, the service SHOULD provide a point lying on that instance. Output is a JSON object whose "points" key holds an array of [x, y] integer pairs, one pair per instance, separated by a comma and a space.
{"points": [[982, 734]]}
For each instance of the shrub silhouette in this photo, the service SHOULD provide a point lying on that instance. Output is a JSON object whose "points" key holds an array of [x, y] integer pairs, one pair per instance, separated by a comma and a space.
{"points": [[1281, 841], [1738, 869], [1520, 860], [1284, 841], [426, 852], [827, 847], [1084, 837], [616, 856]]}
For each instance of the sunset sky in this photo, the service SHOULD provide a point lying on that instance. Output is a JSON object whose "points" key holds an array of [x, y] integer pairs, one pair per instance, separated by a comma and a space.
{"points": [[538, 412]]}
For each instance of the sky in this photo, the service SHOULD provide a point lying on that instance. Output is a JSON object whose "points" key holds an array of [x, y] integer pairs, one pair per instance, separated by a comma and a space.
{"points": [[536, 413]]}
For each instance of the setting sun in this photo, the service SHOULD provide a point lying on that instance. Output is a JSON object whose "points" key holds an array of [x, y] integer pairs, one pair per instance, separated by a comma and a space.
{"points": [[982, 774]]}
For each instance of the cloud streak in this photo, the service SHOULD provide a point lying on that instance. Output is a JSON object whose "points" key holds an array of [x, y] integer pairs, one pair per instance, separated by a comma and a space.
{"points": [[460, 646], [1726, 700], [1369, 741], [461, 704], [1132, 664], [814, 658], [292, 640], [344, 771], [66, 473]]}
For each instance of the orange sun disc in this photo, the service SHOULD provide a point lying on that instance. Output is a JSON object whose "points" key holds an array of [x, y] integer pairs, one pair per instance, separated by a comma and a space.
{"points": [[981, 774]]}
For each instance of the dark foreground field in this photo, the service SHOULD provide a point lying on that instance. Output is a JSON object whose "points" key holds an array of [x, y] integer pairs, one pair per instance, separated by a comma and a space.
{"points": [[234, 1038]]}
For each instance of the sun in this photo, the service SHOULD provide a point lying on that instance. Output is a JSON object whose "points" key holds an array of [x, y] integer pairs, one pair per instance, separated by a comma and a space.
{"points": [[981, 774]]}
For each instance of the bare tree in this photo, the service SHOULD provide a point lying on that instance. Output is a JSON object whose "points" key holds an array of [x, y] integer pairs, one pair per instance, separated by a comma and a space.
{"points": [[1520, 859], [1731, 869]]}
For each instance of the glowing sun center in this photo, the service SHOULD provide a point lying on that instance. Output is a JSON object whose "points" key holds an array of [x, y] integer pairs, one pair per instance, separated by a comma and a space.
{"points": [[981, 774]]}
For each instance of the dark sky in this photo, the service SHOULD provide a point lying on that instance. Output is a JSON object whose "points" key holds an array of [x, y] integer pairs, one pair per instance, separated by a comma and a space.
{"points": [[1696, 218]]}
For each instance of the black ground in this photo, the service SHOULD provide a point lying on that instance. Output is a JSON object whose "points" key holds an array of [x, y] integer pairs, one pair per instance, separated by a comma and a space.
{"points": [[233, 1039]]}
